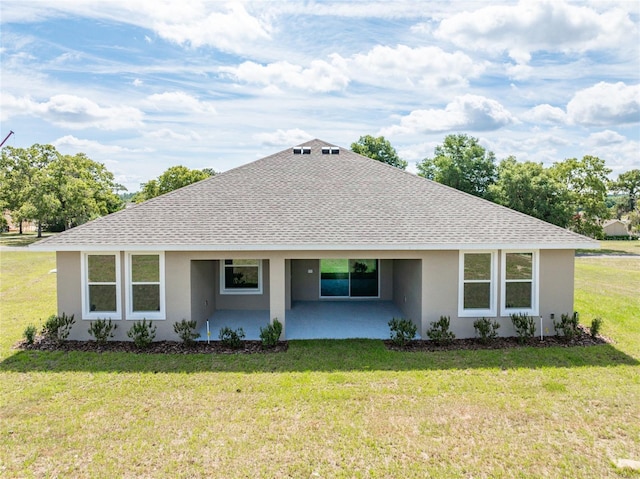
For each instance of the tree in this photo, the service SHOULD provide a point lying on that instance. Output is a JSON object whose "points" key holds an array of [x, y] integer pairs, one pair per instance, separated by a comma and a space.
{"points": [[628, 184], [460, 162], [586, 181], [38, 183], [18, 169], [529, 188], [173, 178], [378, 149]]}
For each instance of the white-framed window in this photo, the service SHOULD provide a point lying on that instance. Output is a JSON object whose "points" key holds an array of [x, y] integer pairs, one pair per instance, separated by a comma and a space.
{"points": [[145, 286], [241, 276], [101, 286], [477, 290], [519, 285]]}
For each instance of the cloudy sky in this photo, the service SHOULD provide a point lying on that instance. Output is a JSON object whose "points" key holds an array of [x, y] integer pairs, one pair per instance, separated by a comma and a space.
{"points": [[144, 85]]}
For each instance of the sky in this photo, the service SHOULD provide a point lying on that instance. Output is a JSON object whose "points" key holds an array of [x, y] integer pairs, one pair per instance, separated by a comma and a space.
{"points": [[148, 84]]}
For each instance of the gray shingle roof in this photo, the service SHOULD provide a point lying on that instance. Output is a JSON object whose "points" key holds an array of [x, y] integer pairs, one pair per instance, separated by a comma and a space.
{"points": [[315, 201]]}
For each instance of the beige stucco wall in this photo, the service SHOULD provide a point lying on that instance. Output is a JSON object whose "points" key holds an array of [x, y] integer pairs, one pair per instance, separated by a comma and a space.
{"points": [[407, 288], [428, 280], [616, 229]]}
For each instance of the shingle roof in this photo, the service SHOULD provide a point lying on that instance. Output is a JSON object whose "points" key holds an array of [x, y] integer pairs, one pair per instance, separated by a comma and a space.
{"points": [[315, 201]]}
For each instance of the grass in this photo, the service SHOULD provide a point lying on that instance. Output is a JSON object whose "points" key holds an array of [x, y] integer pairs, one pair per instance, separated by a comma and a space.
{"points": [[324, 408], [613, 248]]}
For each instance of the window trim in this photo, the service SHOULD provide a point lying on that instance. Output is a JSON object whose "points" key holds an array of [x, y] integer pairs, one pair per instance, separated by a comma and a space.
{"points": [[492, 311], [150, 315], [535, 284], [231, 291], [87, 314]]}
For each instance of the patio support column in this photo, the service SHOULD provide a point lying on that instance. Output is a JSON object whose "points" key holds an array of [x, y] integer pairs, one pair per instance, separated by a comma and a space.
{"points": [[277, 290]]}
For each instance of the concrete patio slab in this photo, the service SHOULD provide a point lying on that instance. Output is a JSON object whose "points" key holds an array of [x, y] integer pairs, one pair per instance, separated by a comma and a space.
{"points": [[313, 320]]}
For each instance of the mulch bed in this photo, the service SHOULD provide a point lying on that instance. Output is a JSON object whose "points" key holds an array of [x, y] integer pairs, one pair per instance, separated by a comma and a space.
{"points": [[157, 347], [583, 338], [255, 347]]}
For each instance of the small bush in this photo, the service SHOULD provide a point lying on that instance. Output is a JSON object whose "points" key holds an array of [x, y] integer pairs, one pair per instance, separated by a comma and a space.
{"points": [[486, 329], [186, 331], [102, 330], [402, 331], [439, 331], [524, 325], [142, 333], [57, 328], [231, 338], [568, 326], [596, 325], [271, 334], [30, 334]]}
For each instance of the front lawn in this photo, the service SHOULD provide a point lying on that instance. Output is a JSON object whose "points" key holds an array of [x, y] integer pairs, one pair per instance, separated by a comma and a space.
{"points": [[323, 408]]}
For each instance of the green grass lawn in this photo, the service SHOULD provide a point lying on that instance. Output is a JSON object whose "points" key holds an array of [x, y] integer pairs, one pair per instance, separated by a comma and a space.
{"points": [[324, 408]]}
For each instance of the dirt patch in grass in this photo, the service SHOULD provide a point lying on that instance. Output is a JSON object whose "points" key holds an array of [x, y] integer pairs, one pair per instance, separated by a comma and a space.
{"points": [[157, 347], [583, 338]]}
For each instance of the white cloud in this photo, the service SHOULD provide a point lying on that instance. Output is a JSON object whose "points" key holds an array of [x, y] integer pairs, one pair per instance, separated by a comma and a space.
{"points": [[283, 137], [91, 146], [534, 25], [178, 101], [73, 112], [545, 114], [606, 104], [467, 112], [170, 135], [137, 82], [429, 66], [605, 138], [320, 76]]}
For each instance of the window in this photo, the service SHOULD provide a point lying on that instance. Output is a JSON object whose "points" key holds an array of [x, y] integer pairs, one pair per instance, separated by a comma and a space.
{"points": [[145, 286], [101, 286], [349, 278], [519, 285], [477, 290], [241, 276]]}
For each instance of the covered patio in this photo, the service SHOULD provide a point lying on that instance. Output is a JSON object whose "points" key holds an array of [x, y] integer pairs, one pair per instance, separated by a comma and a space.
{"points": [[313, 320]]}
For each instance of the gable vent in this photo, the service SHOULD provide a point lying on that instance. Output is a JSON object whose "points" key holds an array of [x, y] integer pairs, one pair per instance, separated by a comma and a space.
{"points": [[330, 151]]}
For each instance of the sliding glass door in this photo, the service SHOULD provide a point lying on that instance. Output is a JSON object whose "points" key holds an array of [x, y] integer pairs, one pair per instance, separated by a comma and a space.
{"points": [[349, 278]]}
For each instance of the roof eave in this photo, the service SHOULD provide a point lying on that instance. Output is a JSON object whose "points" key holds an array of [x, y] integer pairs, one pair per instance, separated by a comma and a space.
{"points": [[320, 247]]}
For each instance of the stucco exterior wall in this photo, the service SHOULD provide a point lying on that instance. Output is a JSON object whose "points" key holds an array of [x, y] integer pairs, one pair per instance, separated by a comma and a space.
{"points": [[617, 228], [407, 288], [428, 280]]}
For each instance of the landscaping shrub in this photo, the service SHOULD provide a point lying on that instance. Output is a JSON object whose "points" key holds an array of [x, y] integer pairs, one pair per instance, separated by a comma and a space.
{"points": [[402, 331], [594, 329], [102, 330], [30, 334], [231, 338], [142, 333], [439, 331], [486, 329], [186, 331], [271, 334], [524, 325], [57, 328], [568, 326]]}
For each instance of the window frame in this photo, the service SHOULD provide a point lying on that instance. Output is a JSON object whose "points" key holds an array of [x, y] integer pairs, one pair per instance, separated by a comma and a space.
{"points": [[349, 296], [150, 315], [492, 311], [87, 314], [237, 291], [534, 310]]}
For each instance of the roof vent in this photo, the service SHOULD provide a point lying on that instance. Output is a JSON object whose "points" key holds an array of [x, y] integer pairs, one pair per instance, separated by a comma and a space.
{"points": [[306, 151], [297, 151], [326, 150], [335, 151]]}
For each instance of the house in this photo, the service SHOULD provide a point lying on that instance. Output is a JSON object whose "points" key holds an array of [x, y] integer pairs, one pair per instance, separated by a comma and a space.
{"points": [[615, 228], [329, 242]]}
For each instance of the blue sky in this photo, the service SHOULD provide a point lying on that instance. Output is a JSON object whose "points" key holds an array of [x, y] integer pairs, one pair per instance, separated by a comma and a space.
{"points": [[145, 85]]}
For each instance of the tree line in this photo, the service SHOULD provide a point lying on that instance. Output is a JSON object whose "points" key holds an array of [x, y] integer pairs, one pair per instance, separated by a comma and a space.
{"points": [[573, 193], [61, 191]]}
